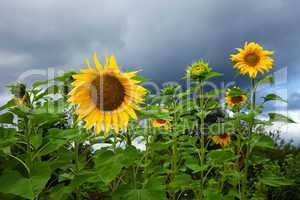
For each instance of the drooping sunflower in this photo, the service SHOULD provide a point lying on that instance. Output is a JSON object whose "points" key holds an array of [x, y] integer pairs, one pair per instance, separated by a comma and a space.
{"points": [[159, 123], [106, 97], [252, 59], [223, 139], [20, 93], [235, 96]]}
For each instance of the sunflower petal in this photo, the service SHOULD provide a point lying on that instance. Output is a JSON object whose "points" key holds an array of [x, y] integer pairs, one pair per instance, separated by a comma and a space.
{"points": [[97, 62], [113, 63]]}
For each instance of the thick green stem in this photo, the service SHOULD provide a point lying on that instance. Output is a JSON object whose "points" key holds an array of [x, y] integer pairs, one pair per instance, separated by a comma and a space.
{"points": [[76, 158], [202, 143], [253, 94], [246, 153], [28, 145]]}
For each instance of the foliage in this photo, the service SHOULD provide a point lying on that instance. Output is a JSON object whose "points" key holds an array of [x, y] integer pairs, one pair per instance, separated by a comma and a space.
{"points": [[46, 153]]}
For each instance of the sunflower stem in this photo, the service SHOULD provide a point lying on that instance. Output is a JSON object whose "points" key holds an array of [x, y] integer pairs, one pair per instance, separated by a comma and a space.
{"points": [[253, 91], [202, 144], [76, 157]]}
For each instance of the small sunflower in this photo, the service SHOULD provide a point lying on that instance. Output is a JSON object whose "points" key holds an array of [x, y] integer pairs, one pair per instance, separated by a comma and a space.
{"points": [[235, 97], [223, 139], [106, 98], [198, 69], [159, 123], [252, 59], [19, 92]]}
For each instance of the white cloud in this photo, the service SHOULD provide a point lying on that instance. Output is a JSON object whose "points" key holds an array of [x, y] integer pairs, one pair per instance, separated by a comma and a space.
{"points": [[290, 131], [4, 98]]}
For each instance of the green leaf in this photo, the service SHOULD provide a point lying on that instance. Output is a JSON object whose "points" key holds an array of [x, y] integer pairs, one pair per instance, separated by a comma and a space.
{"points": [[7, 137], [39, 83], [40, 174], [211, 194], [11, 182], [9, 104], [266, 80], [273, 97], [262, 141], [276, 117], [220, 156], [57, 138], [153, 189], [152, 114], [215, 92], [275, 181], [7, 118], [182, 182], [140, 78], [144, 194], [36, 140], [211, 74], [65, 77], [220, 128], [109, 164]]}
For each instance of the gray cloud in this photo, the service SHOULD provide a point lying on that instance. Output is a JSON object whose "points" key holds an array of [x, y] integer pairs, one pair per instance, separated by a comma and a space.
{"points": [[162, 36], [294, 101]]}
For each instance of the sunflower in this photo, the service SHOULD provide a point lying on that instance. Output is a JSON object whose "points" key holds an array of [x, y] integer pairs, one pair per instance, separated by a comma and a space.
{"points": [[223, 139], [235, 97], [20, 93], [106, 98], [159, 123], [252, 59], [198, 69]]}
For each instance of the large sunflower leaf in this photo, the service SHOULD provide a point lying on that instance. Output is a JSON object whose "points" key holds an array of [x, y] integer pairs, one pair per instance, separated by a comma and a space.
{"points": [[109, 164], [273, 97], [11, 182], [276, 117], [6, 118]]}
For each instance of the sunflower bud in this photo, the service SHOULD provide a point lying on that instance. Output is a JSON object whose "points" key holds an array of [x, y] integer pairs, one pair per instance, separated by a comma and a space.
{"points": [[198, 70]]}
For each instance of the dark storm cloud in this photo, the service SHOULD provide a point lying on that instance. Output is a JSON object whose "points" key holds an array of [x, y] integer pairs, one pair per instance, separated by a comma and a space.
{"points": [[162, 36]]}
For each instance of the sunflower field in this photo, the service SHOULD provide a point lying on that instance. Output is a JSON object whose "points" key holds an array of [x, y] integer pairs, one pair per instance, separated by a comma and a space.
{"points": [[101, 134]]}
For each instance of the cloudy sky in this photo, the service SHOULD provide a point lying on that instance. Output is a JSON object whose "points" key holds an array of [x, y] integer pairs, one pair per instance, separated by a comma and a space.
{"points": [[160, 36]]}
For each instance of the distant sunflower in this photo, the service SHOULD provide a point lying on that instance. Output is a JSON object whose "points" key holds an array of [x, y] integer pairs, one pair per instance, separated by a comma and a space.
{"points": [[20, 93], [252, 59], [235, 97], [198, 69], [223, 139], [159, 123], [106, 98]]}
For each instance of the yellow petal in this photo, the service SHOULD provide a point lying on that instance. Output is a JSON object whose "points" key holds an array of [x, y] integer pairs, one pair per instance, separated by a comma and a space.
{"points": [[107, 122], [87, 62], [106, 61], [131, 112], [99, 125], [84, 77], [115, 122], [97, 62], [124, 118], [113, 63]]}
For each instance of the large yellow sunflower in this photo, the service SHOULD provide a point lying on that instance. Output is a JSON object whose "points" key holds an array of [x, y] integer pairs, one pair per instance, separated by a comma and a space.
{"points": [[252, 59], [106, 98]]}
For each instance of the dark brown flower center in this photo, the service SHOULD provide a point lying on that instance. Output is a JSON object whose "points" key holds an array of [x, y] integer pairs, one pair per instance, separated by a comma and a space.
{"points": [[161, 121], [237, 99], [108, 93], [252, 59], [223, 136]]}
